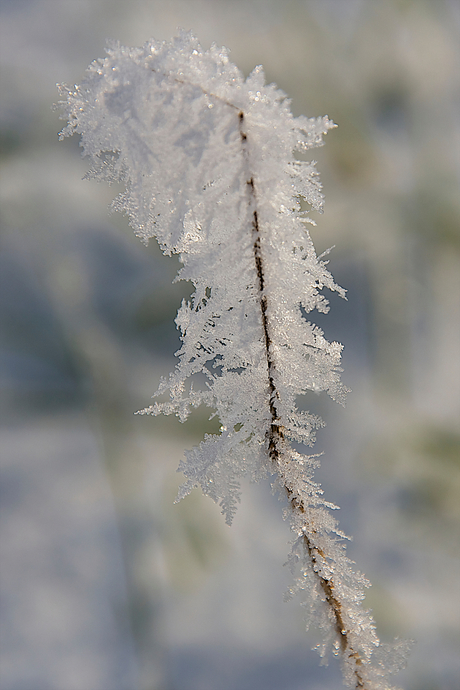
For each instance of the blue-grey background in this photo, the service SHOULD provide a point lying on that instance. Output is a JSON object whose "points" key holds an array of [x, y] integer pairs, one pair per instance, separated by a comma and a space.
{"points": [[105, 584]]}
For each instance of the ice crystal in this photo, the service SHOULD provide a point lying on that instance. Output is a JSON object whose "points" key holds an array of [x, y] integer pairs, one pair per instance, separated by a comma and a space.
{"points": [[208, 162]]}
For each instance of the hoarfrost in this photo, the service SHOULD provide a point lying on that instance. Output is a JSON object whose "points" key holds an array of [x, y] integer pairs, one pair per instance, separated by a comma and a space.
{"points": [[207, 160]]}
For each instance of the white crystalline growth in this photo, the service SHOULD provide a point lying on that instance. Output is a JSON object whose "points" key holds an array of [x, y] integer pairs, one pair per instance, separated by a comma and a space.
{"points": [[207, 160]]}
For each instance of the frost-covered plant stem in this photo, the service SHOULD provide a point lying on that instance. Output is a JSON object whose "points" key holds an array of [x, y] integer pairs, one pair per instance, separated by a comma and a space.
{"points": [[278, 452], [207, 161]]}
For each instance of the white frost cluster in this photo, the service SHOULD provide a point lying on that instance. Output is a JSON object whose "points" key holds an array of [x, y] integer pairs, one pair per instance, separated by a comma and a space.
{"points": [[207, 160]]}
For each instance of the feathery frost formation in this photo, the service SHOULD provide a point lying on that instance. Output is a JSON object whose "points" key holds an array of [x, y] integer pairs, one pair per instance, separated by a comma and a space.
{"points": [[207, 160]]}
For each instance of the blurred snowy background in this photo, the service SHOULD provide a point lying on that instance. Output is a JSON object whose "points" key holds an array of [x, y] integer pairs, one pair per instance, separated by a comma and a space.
{"points": [[105, 584]]}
